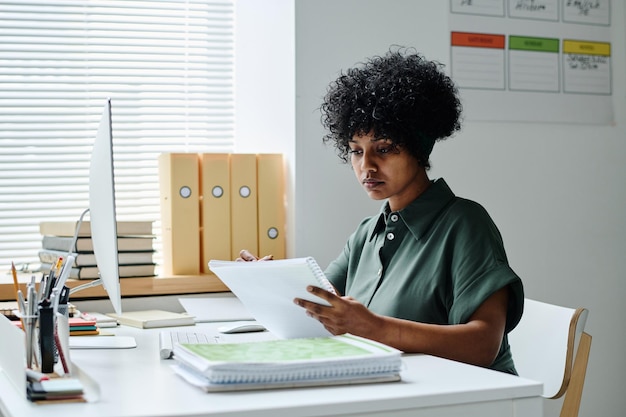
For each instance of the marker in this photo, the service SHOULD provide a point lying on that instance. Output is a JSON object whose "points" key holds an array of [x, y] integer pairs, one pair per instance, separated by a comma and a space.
{"points": [[46, 336]]}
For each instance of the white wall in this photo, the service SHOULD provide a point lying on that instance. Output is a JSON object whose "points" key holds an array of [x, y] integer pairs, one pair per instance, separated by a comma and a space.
{"points": [[556, 191], [265, 85]]}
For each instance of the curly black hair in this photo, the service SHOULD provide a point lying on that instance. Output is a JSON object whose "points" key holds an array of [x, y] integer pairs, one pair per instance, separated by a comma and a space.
{"points": [[400, 96]]}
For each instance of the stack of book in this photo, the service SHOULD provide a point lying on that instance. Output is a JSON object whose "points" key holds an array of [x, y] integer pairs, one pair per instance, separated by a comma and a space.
{"points": [[134, 245], [77, 326], [82, 327], [283, 363]]}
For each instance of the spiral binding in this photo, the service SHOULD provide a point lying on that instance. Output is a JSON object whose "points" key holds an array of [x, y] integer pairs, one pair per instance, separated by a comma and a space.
{"points": [[302, 373], [319, 275]]}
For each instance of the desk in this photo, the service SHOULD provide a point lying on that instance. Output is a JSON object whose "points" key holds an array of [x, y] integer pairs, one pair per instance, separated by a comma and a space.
{"points": [[136, 383]]}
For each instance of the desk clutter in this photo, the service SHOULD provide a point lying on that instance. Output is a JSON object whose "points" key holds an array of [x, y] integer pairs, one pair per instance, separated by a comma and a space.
{"points": [[286, 363], [134, 245], [43, 315], [215, 204]]}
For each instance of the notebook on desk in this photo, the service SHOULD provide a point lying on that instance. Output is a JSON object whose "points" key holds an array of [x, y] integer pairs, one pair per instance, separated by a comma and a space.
{"points": [[330, 360]]}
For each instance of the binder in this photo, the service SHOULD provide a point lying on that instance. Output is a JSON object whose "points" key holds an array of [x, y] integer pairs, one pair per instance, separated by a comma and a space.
{"points": [[244, 223], [271, 205], [180, 213], [215, 208]]}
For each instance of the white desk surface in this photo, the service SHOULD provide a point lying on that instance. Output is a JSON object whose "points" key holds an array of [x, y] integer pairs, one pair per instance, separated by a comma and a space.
{"points": [[137, 383]]}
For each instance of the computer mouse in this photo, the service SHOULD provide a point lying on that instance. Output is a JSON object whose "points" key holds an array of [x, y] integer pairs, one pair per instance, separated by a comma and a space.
{"points": [[241, 327]]}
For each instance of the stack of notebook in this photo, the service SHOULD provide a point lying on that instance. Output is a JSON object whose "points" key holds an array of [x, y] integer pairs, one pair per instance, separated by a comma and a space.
{"points": [[78, 326], [331, 360]]}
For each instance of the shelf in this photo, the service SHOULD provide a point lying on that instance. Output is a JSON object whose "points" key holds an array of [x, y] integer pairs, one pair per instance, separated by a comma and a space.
{"points": [[131, 287]]}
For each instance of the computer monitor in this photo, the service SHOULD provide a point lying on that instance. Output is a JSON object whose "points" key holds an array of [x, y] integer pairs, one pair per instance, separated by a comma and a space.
{"points": [[102, 209]]}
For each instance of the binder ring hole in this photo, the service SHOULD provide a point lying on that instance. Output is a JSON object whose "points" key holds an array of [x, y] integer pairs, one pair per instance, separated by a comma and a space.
{"points": [[217, 191], [272, 233], [244, 191], [185, 192]]}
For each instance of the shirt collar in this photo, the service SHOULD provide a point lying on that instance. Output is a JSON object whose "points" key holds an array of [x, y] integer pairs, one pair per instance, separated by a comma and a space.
{"points": [[421, 212]]}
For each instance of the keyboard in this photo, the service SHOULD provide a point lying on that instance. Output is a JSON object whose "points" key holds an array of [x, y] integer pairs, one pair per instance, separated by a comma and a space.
{"points": [[168, 338]]}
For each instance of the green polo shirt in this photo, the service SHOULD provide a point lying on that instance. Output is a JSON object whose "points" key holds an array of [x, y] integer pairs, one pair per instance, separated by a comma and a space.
{"points": [[435, 261]]}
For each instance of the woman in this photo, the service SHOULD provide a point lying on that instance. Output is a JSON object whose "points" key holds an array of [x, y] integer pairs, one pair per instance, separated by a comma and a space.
{"points": [[429, 273]]}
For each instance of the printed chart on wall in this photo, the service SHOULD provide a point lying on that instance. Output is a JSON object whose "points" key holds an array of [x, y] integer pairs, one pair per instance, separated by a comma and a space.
{"points": [[533, 60]]}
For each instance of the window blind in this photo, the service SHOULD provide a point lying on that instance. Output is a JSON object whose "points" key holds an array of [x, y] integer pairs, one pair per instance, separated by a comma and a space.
{"points": [[167, 67]]}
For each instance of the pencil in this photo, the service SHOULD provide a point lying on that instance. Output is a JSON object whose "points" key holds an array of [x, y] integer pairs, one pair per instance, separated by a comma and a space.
{"points": [[15, 283], [16, 287]]}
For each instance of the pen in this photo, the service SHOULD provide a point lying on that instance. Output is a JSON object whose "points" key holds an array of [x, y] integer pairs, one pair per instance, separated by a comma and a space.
{"points": [[32, 300], [49, 285], [21, 303], [30, 324], [42, 285], [21, 306]]}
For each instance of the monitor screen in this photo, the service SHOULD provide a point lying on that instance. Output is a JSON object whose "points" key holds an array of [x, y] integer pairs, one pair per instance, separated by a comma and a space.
{"points": [[102, 209]]}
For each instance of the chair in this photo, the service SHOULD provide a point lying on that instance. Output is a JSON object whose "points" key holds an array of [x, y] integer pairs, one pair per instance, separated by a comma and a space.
{"points": [[549, 345]]}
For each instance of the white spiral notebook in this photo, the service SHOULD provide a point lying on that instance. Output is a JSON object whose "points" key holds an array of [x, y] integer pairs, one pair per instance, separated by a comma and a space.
{"points": [[331, 360], [267, 290]]}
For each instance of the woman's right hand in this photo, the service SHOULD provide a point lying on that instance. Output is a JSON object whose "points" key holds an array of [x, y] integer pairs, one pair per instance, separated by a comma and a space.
{"points": [[245, 256]]}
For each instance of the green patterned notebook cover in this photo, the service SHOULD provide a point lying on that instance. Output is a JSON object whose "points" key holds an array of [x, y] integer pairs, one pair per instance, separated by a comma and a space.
{"points": [[288, 350]]}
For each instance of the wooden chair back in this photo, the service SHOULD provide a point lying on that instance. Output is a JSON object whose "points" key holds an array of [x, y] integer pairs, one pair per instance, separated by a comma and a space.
{"points": [[549, 345]]}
